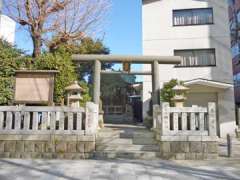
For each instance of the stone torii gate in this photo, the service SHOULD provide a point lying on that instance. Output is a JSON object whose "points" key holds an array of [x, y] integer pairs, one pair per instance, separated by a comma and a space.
{"points": [[153, 60]]}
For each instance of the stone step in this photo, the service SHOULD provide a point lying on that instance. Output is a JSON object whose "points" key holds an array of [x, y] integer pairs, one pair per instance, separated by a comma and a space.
{"points": [[114, 134], [140, 134], [127, 155], [111, 140], [108, 134], [128, 148], [144, 135], [144, 141]]}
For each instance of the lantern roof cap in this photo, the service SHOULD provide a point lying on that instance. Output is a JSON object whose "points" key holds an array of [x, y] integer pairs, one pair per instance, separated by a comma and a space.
{"points": [[180, 87], [74, 86]]}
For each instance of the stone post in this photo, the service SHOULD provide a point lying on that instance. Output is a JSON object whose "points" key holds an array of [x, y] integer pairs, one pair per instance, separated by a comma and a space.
{"points": [[155, 83], [165, 119], [229, 145], [92, 116], [96, 82], [212, 119], [156, 116], [238, 117]]}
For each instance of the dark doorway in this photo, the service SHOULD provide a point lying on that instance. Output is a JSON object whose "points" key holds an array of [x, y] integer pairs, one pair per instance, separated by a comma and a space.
{"points": [[121, 99], [137, 109]]}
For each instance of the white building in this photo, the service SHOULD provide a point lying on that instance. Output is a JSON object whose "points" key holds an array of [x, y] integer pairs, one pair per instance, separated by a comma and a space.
{"points": [[7, 29], [199, 32]]}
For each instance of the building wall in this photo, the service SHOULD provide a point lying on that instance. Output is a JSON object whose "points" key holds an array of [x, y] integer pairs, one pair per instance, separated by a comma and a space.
{"points": [[160, 37], [7, 29]]}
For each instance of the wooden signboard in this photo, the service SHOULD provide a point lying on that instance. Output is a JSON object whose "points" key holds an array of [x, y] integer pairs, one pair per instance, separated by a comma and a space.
{"points": [[34, 87]]}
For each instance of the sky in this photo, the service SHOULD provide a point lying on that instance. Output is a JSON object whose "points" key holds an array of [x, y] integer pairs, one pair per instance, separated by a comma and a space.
{"points": [[122, 30]]}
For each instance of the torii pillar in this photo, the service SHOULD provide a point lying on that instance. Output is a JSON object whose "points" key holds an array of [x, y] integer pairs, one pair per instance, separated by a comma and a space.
{"points": [[155, 83], [96, 81]]}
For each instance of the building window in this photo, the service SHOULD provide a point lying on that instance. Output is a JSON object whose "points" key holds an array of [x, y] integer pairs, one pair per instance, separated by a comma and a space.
{"points": [[193, 17], [196, 57]]}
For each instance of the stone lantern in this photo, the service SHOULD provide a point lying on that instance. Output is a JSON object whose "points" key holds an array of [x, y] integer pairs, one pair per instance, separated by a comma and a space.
{"points": [[180, 92], [74, 95]]}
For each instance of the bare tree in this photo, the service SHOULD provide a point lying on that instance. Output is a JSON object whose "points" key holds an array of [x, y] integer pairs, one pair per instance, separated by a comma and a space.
{"points": [[54, 22]]}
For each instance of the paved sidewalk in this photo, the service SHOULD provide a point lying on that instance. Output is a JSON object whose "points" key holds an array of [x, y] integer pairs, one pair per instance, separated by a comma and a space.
{"points": [[11, 169], [235, 148]]}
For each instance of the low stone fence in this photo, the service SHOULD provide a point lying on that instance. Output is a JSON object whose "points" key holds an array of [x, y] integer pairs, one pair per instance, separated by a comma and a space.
{"points": [[187, 132], [48, 132]]}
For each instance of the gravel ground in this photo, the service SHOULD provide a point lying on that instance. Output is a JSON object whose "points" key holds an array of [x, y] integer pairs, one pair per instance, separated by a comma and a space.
{"points": [[121, 169]]}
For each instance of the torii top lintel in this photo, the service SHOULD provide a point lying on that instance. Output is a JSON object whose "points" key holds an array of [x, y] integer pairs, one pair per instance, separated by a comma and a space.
{"points": [[125, 58]]}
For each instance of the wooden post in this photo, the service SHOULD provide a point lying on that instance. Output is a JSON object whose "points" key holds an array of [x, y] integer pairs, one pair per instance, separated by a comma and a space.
{"points": [[97, 81], [155, 83]]}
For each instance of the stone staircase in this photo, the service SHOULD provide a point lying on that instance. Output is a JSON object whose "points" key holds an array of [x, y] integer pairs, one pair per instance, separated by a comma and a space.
{"points": [[126, 141]]}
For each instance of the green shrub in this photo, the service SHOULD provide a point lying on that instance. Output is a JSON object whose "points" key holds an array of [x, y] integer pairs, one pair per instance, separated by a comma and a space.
{"points": [[167, 93], [62, 62], [10, 60]]}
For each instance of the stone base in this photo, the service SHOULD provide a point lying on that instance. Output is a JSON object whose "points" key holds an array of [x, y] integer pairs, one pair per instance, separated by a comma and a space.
{"points": [[47, 146], [188, 150]]}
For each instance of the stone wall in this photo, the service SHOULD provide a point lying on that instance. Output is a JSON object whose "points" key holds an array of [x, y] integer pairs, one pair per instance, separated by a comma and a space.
{"points": [[188, 150], [47, 146], [186, 133]]}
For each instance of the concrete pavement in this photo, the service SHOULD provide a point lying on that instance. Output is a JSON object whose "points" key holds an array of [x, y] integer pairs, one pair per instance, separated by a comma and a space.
{"points": [[121, 169]]}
